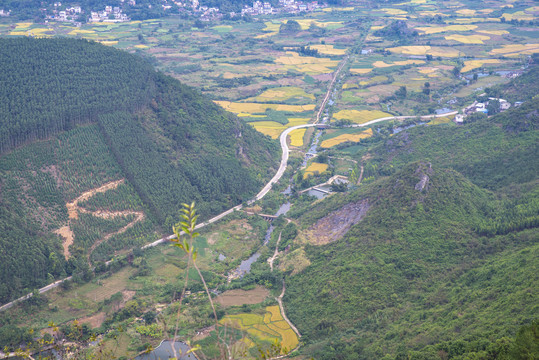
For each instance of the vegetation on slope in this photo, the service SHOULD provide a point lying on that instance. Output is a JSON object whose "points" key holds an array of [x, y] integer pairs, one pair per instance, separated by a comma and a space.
{"points": [[413, 277], [439, 266], [107, 115]]}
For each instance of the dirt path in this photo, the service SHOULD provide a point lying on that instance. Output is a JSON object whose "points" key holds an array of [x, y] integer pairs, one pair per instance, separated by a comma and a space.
{"points": [[280, 301], [73, 210], [276, 253]]}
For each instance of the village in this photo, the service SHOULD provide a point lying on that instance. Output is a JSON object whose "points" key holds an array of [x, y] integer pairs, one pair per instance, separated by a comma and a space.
{"points": [[75, 13]]}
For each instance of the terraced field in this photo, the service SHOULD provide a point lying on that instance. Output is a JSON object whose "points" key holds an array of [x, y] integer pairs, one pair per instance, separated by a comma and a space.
{"points": [[265, 329]]}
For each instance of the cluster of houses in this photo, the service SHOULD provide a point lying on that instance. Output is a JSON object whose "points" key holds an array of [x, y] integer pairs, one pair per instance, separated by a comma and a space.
{"points": [[286, 6], [68, 14], [110, 14], [482, 107], [5, 12]]}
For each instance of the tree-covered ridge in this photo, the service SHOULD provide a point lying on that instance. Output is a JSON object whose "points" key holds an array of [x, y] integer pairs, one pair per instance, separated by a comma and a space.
{"points": [[105, 116], [51, 85], [414, 277]]}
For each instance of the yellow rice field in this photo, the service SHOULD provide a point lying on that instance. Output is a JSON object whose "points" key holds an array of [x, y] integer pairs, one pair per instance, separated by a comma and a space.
{"points": [[360, 116], [306, 23], [468, 39], [307, 64], [519, 15], [80, 31], [360, 71], [140, 46], [424, 50], [315, 168], [493, 32], [109, 42], [274, 129], [328, 49], [346, 137], [515, 49], [296, 137], [281, 94], [381, 64], [474, 64], [245, 107], [269, 327], [439, 29]]}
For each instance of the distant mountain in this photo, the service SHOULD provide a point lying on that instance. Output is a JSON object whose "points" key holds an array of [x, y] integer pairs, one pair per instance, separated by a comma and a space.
{"points": [[75, 115]]}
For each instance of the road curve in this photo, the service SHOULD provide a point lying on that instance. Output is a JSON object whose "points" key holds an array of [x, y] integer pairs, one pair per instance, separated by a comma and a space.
{"points": [[260, 195]]}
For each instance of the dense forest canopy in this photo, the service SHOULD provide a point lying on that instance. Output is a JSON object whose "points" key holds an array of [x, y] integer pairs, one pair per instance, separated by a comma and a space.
{"points": [[75, 115]]}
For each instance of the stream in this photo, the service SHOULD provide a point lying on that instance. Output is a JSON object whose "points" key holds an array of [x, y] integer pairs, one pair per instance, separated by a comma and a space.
{"points": [[164, 351]]}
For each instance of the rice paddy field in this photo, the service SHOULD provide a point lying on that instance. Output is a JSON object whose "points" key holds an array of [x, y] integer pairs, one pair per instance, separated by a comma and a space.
{"points": [[264, 328]]}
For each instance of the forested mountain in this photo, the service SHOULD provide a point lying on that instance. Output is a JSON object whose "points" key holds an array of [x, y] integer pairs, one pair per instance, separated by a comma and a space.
{"points": [[76, 115], [437, 258]]}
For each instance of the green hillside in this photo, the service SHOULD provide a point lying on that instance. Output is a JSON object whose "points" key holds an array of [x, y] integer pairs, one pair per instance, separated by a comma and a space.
{"points": [[77, 115], [435, 258], [414, 277]]}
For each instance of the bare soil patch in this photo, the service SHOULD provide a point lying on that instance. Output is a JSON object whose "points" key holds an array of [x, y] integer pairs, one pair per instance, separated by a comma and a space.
{"points": [[238, 297], [335, 225], [67, 234], [95, 320]]}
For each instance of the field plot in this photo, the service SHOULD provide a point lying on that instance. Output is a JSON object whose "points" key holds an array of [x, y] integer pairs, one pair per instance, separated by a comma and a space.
{"points": [[282, 94], [274, 129], [468, 39], [361, 71], [253, 108], [296, 137], [360, 116], [265, 329], [307, 64], [382, 64], [426, 50], [328, 50], [440, 29], [516, 49], [474, 64], [314, 169], [351, 137]]}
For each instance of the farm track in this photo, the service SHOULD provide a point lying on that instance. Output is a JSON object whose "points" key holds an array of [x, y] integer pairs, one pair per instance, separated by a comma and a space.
{"points": [[73, 210]]}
